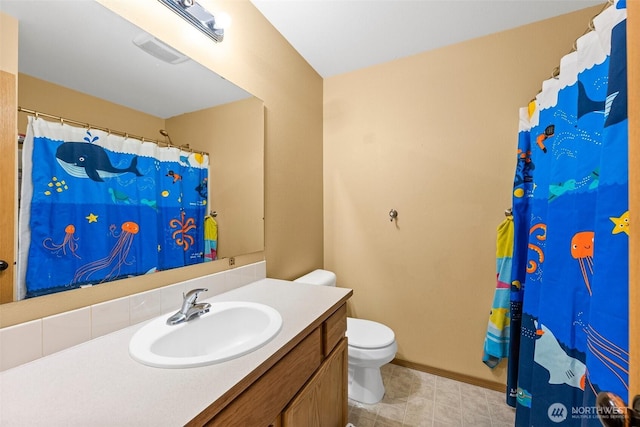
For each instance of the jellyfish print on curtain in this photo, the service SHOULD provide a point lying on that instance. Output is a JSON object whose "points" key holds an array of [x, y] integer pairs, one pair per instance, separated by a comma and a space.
{"points": [[570, 210], [96, 207]]}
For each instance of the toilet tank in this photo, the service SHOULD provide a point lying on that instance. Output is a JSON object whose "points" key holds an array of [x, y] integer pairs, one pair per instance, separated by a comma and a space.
{"points": [[318, 277]]}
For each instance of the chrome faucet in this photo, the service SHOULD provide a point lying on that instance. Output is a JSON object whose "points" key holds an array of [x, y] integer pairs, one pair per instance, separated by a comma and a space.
{"points": [[189, 308]]}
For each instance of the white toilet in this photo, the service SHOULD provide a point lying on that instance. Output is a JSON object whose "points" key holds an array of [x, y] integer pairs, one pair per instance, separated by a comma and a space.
{"points": [[371, 345]]}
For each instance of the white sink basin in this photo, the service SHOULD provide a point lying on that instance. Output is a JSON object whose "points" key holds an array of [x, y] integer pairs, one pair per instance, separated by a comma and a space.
{"points": [[229, 330]]}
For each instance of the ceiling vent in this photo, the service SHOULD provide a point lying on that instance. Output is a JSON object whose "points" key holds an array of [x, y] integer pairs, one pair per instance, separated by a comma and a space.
{"points": [[159, 49]]}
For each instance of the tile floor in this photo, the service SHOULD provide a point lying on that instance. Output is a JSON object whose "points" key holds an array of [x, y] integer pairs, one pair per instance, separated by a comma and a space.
{"points": [[418, 399]]}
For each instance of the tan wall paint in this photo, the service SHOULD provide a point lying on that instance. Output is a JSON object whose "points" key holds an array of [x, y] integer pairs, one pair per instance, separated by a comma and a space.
{"points": [[71, 104], [229, 133], [432, 136], [8, 44]]}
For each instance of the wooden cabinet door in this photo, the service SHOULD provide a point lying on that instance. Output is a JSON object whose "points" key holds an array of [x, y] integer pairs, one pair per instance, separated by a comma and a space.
{"points": [[8, 120], [323, 400]]}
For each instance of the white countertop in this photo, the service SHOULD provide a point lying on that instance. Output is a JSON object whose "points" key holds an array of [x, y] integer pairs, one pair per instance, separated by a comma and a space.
{"points": [[97, 383]]}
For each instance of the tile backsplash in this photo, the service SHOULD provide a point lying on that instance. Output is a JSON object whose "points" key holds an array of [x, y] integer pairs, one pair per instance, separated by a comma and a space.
{"points": [[31, 340], [65, 330]]}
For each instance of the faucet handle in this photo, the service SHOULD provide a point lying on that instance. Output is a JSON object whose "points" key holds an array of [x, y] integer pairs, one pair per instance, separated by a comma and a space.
{"points": [[192, 295]]}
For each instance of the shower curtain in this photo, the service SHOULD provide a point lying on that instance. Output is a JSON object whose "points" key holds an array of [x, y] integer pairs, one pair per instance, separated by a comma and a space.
{"points": [[570, 210], [96, 207]]}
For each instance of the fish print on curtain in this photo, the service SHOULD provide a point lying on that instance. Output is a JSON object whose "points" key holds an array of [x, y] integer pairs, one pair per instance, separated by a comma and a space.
{"points": [[98, 207], [570, 209]]}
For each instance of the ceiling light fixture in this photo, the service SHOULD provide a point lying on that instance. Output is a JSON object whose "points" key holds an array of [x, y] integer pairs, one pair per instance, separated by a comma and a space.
{"points": [[200, 18]]}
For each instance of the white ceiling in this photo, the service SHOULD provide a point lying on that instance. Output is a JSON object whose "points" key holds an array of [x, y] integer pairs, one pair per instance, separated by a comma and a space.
{"points": [[338, 36], [79, 44]]}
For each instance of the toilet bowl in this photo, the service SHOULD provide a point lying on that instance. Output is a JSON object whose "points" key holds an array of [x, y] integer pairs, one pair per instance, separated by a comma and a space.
{"points": [[370, 346]]}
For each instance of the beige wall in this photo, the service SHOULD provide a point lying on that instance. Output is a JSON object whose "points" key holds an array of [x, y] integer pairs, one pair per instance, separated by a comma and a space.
{"points": [[236, 171], [432, 136], [64, 102], [8, 44]]}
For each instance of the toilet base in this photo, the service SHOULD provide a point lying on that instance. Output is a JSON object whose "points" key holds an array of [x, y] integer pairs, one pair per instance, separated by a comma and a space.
{"points": [[365, 385]]}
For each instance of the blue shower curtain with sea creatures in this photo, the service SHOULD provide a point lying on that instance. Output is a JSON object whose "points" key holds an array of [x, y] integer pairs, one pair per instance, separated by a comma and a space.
{"points": [[571, 217], [96, 207]]}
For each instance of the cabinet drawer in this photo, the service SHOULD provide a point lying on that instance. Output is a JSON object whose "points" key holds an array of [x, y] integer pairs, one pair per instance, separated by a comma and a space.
{"points": [[334, 329], [263, 401]]}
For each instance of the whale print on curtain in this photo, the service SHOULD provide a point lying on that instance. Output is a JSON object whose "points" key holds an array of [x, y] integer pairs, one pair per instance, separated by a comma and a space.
{"points": [[98, 207], [570, 209]]}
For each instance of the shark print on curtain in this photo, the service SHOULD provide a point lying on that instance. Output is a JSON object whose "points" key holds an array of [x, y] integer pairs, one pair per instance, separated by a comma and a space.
{"points": [[570, 209], [96, 207]]}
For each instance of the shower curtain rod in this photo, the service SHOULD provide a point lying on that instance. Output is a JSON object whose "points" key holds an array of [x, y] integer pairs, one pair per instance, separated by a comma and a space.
{"points": [[591, 27], [556, 70], [63, 120]]}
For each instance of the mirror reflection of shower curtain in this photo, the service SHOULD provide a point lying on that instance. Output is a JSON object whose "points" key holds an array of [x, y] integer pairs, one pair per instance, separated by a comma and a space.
{"points": [[570, 209], [97, 207]]}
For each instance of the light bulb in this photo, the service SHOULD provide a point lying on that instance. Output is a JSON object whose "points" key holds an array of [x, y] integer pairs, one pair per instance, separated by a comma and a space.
{"points": [[222, 21]]}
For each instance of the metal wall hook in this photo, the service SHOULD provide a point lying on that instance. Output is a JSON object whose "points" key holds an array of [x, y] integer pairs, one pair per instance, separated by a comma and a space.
{"points": [[393, 214]]}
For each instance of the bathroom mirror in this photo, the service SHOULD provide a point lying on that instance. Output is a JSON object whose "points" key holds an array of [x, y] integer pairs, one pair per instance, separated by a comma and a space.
{"points": [[80, 50]]}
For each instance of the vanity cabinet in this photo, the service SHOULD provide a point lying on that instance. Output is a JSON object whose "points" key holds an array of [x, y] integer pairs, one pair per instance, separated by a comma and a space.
{"points": [[306, 387], [321, 402]]}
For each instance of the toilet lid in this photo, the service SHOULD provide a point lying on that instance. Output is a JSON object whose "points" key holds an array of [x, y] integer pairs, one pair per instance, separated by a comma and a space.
{"points": [[368, 334]]}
